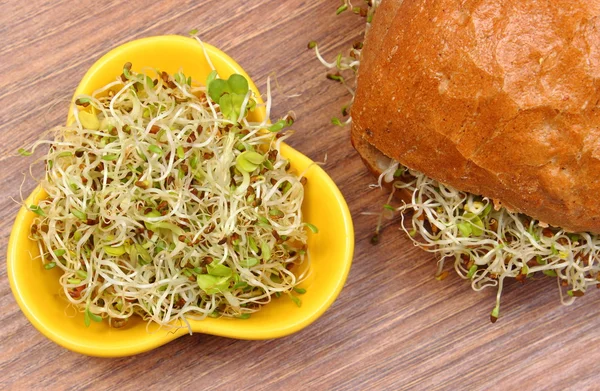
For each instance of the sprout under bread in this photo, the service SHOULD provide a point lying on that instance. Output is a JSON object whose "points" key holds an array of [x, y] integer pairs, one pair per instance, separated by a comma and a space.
{"points": [[487, 243], [166, 202]]}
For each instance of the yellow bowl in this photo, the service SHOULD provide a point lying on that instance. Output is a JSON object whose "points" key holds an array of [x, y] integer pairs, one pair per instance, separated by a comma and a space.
{"points": [[37, 290]]}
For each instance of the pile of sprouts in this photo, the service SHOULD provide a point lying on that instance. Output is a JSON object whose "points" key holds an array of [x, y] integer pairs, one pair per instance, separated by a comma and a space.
{"points": [[164, 201], [485, 242]]}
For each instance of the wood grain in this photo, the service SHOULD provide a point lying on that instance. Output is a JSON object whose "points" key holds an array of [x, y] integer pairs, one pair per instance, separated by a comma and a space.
{"points": [[393, 327]]}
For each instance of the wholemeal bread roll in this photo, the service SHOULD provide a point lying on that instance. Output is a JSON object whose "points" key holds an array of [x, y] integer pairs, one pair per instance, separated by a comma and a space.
{"points": [[497, 98]]}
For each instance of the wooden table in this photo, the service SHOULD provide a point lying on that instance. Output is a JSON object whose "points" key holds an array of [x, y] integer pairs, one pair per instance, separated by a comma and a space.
{"points": [[394, 325]]}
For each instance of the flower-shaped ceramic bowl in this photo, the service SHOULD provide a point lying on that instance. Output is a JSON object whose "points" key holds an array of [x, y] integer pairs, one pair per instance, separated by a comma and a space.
{"points": [[37, 289]]}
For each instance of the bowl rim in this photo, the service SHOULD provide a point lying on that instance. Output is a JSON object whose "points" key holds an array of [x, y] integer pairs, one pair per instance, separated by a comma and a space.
{"points": [[152, 343]]}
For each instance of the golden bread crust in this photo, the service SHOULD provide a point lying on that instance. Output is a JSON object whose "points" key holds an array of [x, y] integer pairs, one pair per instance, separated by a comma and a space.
{"points": [[497, 98]]}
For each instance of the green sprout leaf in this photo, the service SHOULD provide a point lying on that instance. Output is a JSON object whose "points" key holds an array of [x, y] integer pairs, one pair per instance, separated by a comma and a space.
{"points": [[237, 100], [219, 270], [127, 70], [263, 222], [24, 152], [211, 76], [253, 157], [110, 157], [115, 251], [141, 154], [86, 318], [212, 284], [339, 78], [206, 282], [341, 9], [65, 154], [277, 126], [486, 211], [287, 187], [179, 78], [155, 149], [194, 160], [495, 314], [336, 121], [226, 104], [265, 251], [476, 225], [177, 230], [553, 249], [89, 315], [472, 271], [95, 318], [230, 94], [312, 227], [275, 278], [252, 244], [79, 214], [142, 255], [296, 300], [274, 212], [180, 152], [238, 84], [216, 89], [37, 210], [248, 161], [148, 81], [249, 262]]}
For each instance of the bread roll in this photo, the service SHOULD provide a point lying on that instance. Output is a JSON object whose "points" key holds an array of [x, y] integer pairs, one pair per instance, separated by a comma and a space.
{"points": [[497, 98]]}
